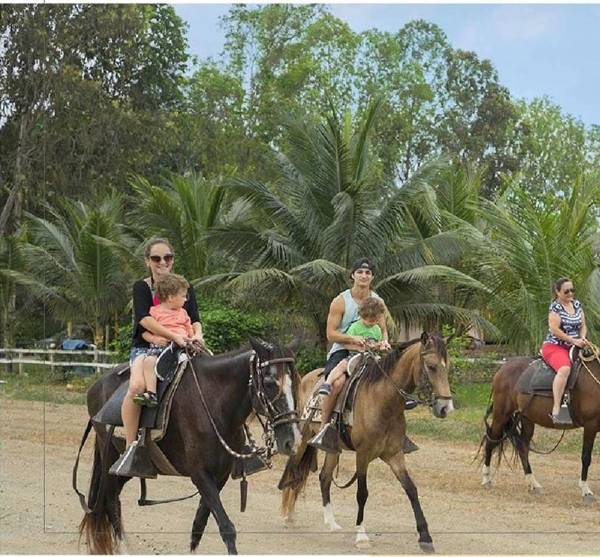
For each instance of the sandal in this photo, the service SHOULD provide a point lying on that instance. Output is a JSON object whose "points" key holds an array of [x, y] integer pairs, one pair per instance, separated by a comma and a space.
{"points": [[147, 399]]}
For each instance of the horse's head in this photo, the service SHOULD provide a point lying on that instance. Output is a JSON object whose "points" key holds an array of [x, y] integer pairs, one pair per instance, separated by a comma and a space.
{"points": [[273, 384], [431, 375]]}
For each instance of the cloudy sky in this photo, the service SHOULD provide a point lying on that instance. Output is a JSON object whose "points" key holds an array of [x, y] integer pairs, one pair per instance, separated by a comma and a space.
{"points": [[538, 49]]}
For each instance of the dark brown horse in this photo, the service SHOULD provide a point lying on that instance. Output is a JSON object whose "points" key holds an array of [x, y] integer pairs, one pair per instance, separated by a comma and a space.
{"points": [[233, 384], [378, 430], [514, 416]]}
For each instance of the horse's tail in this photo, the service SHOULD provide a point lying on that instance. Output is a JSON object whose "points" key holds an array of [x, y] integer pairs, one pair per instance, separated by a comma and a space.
{"points": [[511, 430], [101, 523], [294, 478]]}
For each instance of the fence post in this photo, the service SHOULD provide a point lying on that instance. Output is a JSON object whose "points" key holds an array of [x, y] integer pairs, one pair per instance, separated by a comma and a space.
{"points": [[52, 347], [96, 357], [20, 363]]}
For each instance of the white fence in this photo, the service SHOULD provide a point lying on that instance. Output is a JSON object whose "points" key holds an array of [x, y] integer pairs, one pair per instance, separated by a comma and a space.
{"points": [[54, 358]]}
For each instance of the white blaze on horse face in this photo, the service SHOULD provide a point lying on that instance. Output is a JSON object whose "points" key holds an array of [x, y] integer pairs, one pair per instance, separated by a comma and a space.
{"points": [[289, 397]]}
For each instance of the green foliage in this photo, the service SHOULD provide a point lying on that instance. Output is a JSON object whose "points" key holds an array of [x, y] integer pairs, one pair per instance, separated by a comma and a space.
{"points": [[308, 358], [227, 328], [121, 343]]}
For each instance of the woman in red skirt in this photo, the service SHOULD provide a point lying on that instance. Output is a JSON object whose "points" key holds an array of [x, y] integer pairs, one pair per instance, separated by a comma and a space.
{"points": [[566, 324]]}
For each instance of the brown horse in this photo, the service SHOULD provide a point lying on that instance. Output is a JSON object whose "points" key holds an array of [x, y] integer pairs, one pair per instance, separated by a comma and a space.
{"points": [[233, 384], [514, 416], [378, 430]]}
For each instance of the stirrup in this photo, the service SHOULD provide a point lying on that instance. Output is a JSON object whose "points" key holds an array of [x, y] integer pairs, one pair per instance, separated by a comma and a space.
{"points": [[327, 440], [247, 466], [563, 417], [325, 389], [409, 404], [408, 446], [134, 462]]}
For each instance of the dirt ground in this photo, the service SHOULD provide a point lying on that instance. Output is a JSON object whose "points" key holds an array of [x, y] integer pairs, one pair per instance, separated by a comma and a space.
{"points": [[39, 512]]}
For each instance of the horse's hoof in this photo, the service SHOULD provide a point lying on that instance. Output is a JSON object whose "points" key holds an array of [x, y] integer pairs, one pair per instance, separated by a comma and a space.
{"points": [[362, 544], [589, 499], [427, 547], [487, 484], [333, 526], [536, 490]]}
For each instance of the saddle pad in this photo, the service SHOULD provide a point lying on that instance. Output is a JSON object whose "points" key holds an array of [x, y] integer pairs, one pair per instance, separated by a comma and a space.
{"points": [[110, 413], [538, 378]]}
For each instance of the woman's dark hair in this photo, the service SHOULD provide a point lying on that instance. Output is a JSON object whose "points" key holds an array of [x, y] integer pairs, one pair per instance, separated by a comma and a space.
{"points": [[558, 285], [154, 242]]}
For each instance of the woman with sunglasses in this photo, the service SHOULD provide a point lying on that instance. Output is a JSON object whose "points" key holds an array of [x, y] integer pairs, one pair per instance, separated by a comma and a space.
{"points": [[158, 256], [566, 324]]}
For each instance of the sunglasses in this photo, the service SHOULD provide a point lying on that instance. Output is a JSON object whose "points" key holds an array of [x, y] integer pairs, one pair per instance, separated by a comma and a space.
{"points": [[569, 291], [166, 258]]}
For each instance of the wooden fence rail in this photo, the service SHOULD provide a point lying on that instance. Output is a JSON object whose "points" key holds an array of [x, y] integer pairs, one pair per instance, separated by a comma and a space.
{"points": [[18, 356]]}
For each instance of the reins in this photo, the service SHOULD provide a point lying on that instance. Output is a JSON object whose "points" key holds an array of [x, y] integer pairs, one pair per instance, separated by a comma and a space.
{"points": [[594, 355]]}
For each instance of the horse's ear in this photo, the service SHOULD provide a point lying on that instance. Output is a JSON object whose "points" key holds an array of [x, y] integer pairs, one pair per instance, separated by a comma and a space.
{"points": [[424, 337]]}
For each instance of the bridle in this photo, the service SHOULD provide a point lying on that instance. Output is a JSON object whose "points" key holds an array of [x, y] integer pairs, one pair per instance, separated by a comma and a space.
{"points": [[261, 403], [262, 406], [425, 395]]}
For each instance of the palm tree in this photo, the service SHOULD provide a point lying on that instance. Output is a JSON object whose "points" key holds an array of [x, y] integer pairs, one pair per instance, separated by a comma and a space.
{"points": [[76, 260], [182, 211], [292, 241], [520, 251]]}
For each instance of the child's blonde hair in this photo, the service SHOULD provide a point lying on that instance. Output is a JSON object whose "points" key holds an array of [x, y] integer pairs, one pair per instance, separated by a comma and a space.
{"points": [[170, 284], [371, 308]]}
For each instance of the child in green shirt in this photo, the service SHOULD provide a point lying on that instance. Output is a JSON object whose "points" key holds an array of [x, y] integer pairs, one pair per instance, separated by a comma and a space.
{"points": [[370, 313]]}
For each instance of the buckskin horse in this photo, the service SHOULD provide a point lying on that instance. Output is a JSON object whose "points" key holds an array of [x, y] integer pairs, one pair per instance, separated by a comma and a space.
{"points": [[515, 415], [235, 383], [378, 429]]}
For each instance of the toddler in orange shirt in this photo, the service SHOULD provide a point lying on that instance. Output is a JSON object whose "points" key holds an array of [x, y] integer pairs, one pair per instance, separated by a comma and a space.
{"points": [[171, 291]]}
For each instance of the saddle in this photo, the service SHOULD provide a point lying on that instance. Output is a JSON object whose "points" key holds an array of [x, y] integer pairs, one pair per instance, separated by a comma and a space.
{"points": [[345, 402], [170, 367], [538, 377]]}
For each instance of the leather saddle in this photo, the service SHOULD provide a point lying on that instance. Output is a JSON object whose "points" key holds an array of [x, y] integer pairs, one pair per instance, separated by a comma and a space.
{"points": [[538, 376], [166, 368]]}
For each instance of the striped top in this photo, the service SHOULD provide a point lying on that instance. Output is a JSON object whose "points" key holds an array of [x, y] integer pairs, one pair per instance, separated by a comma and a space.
{"points": [[570, 324]]}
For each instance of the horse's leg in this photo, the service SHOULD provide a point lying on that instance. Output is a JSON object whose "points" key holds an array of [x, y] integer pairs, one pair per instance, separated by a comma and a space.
{"points": [[325, 478], [589, 436], [201, 518], [396, 463], [209, 491], [362, 493], [524, 440], [494, 439]]}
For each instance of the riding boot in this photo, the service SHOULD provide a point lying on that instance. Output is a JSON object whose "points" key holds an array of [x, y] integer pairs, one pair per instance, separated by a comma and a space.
{"points": [[327, 439], [135, 462], [247, 466], [564, 415], [409, 446]]}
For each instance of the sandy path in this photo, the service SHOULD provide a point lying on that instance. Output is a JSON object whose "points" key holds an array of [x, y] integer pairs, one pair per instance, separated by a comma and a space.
{"points": [[39, 512]]}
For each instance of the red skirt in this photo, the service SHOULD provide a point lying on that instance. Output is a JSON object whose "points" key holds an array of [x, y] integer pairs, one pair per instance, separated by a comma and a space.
{"points": [[556, 356]]}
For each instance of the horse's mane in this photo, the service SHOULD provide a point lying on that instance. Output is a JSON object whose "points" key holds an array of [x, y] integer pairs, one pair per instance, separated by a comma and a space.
{"points": [[373, 373]]}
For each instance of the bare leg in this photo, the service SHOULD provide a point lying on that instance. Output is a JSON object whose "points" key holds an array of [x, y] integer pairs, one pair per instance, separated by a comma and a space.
{"points": [[325, 478], [558, 387], [130, 411], [149, 374], [329, 401], [337, 372]]}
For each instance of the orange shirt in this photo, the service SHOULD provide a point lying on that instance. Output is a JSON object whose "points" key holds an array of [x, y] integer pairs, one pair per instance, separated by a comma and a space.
{"points": [[176, 320]]}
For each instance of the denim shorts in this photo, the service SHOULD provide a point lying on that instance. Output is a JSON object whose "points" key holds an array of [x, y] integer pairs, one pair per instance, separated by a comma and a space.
{"points": [[137, 351]]}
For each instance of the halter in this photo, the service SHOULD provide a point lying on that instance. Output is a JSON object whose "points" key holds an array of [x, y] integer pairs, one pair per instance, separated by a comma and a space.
{"points": [[265, 406], [425, 394]]}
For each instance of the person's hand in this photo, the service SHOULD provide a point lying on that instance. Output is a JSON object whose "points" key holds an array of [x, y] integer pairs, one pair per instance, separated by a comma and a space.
{"points": [[580, 342], [384, 345], [180, 340]]}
